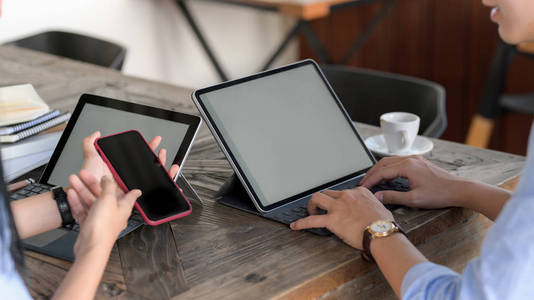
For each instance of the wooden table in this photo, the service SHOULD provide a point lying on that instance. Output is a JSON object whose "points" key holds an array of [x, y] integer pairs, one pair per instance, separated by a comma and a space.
{"points": [[304, 11], [222, 253]]}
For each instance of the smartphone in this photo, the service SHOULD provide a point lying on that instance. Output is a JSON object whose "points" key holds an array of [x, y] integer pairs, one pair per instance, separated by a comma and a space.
{"points": [[135, 166]]}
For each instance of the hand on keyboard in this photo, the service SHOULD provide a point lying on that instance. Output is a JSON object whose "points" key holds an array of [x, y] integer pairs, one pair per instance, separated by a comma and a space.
{"points": [[348, 212], [430, 186]]}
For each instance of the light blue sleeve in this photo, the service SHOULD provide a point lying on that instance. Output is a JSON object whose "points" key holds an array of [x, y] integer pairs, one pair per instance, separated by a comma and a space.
{"points": [[505, 268], [13, 287], [430, 281]]}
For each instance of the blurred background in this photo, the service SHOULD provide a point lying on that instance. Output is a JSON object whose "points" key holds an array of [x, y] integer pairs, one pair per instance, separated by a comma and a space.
{"points": [[448, 42]]}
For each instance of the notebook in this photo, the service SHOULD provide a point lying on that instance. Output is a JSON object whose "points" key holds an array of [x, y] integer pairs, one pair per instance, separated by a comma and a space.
{"points": [[25, 125], [20, 103], [12, 138], [34, 144]]}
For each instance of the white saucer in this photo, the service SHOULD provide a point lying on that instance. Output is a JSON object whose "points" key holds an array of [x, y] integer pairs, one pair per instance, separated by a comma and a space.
{"points": [[377, 145]]}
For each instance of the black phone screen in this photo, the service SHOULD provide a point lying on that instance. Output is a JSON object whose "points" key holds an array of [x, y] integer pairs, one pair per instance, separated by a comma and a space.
{"points": [[139, 168]]}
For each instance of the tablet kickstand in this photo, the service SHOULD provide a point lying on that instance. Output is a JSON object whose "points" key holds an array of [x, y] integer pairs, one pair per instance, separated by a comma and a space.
{"points": [[233, 194], [188, 190]]}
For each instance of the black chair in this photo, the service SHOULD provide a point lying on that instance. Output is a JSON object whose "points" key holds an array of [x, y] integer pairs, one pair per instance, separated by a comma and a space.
{"points": [[367, 94], [77, 47], [494, 101]]}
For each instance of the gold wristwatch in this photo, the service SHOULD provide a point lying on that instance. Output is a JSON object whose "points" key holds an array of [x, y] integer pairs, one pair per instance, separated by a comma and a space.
{"points": [[377, 229]]}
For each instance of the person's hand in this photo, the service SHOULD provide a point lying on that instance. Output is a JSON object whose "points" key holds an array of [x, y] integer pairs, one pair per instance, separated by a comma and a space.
{"points": [[431, 186], [348, 213], [107, 217], [85, 187], [93, 163]]}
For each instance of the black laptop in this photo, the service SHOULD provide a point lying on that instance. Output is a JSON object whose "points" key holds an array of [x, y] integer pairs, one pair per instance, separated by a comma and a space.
{"points": [[287, 136], [93, 113]]}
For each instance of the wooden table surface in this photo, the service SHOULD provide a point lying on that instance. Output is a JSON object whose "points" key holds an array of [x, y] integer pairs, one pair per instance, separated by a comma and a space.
{"points": [[302, 9], [222, 253]]}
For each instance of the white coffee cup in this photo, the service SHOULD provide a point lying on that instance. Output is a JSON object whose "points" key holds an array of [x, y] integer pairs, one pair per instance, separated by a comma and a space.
{"points": [[400, 130]]}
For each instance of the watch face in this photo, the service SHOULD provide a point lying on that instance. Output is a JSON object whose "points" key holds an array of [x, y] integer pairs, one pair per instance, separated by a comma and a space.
{"points": [[381, 226]]}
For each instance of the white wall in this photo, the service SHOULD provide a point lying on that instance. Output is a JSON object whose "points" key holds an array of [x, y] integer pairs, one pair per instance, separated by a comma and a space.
{"points": [[161, 45]]}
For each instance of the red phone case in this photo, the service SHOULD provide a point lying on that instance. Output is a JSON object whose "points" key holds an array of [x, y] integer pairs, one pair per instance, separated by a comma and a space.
{"points": [[125, 189]]}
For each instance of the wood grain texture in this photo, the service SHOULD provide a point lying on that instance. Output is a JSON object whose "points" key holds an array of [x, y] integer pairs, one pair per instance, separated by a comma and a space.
{"points": [[150, 263], [226, 253]]}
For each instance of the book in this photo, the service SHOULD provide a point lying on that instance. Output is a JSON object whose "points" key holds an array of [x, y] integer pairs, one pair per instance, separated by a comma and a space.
{"points": [[34, 144], [19, 166], [56, 128], [12, 138], [25, 125], [20, 103]]}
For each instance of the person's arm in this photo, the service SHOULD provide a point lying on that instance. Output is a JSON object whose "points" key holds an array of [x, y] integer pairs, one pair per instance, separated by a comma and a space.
{"points": [[107, 217], [395, 264], [407, 271], [82, 279], [433, 187], [483, 198], [39, 214], [35, 215], [348, 214]]}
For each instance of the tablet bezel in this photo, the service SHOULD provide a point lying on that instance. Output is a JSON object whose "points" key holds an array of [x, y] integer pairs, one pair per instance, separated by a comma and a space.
{"points": [[194, 123], [230, 156]]}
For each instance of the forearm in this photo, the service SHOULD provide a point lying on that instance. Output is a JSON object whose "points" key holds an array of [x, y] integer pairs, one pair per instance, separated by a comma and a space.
{"points": [[35, 215], [83, 278], [395, 255], [483, 198]]}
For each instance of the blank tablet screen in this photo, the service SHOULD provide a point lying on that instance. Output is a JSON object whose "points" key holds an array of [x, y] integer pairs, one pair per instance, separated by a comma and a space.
{"points": [[109, 120], [287, 132]]}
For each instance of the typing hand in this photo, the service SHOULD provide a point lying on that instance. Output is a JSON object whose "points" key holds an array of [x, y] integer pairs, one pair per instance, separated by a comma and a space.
{"points": [[85, 187], [431, 186], [348, 213]]}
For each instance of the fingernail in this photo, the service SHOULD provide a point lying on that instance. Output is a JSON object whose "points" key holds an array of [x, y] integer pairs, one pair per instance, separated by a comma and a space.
{"points": [[292, 225], [379, 196]]}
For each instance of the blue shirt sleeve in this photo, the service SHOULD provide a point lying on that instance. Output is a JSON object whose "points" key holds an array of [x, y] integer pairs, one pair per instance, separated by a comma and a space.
{"points": [[505, 268], [430, 281]]}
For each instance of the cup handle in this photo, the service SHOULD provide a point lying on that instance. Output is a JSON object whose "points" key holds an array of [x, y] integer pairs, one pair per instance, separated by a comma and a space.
{"points": [[404, 139]]}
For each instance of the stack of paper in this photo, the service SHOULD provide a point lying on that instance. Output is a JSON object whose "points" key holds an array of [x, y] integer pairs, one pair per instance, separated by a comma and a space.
{"points": [[29, 131], [20, 103]]}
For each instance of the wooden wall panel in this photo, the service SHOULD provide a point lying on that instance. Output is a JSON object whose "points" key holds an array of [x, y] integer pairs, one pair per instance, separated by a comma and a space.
{"points": [[449, 42]]}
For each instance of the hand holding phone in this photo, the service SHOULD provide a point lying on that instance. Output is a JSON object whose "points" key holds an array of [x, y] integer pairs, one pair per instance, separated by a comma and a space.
{"points": [[135, 166]]}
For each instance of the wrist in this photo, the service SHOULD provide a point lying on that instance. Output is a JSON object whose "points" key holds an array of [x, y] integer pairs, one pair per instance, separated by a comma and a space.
{"points": [[461, 192], [385, 243], [378, 230], [102, 249]]}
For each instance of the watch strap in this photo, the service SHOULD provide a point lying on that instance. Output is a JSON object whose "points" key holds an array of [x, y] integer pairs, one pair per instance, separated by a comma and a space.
{"points": [[63, 206], [366, 253]]}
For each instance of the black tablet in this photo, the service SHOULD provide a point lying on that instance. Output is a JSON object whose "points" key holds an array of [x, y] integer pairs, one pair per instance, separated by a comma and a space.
{"points": [[107, 115], [285, 133]]}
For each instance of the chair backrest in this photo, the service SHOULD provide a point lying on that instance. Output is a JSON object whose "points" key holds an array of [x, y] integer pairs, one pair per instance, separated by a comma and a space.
{"points": [[77, 47], [526, 47], [367, 94]]}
